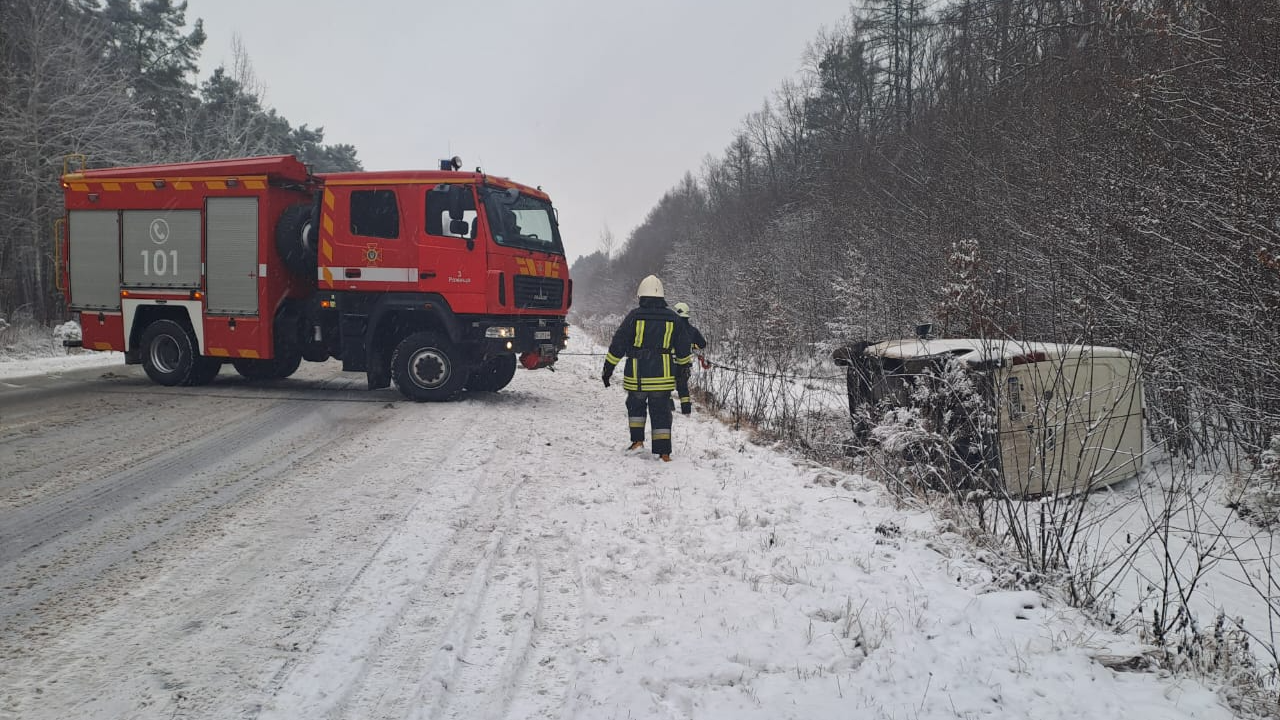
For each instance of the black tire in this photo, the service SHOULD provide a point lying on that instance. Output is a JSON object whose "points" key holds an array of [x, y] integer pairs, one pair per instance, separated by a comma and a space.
{"points": [[427, 368], [315, 352], [493, 375], [287, 366], [205, 371], [251, 369], [274, 369], [287, 350], [168, 353], [297, 233]]}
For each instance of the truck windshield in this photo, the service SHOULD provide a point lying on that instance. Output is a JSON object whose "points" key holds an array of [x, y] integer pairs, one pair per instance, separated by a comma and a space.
{"points": [[522, 221]]}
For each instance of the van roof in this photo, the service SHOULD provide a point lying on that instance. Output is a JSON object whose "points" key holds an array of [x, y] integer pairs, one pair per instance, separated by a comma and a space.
{"points": [[975, 351]]}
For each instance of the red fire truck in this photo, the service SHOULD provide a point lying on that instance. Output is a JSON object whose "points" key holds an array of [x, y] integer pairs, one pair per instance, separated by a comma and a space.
{"points": [[435, 280]]}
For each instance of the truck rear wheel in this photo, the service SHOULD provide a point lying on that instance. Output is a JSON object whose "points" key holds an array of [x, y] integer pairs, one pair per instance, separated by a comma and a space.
{"points": [[205, 370], [426, 367], [168, 353], [277, 368], [493, 375], [296, 240]]}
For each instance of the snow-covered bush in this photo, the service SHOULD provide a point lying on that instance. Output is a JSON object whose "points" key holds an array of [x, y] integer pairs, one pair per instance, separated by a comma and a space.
{"points": [[597, 327], [22, 338], [1222, 652], [936, 433], [69, 330], [1258, 493]]}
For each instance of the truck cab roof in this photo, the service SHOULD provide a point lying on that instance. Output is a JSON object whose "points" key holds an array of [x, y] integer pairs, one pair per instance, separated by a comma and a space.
{"points": [[424, 177]]}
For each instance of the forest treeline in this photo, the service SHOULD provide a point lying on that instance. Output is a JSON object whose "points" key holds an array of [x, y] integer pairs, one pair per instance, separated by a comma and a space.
{"points": [[1063, 170], [117, 82]]}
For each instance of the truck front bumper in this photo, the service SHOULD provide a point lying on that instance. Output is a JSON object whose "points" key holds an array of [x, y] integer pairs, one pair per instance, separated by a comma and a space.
{"points": [[545, 335]]}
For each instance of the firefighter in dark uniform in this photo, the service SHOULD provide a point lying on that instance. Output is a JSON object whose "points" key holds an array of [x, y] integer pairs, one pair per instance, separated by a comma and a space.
{"points": [[655, 344], [697, 343]]}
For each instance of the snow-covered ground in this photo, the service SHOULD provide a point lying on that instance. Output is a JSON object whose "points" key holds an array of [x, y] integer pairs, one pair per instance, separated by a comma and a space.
{"points": [[502, 557], [26, 367], [1148, 541]]}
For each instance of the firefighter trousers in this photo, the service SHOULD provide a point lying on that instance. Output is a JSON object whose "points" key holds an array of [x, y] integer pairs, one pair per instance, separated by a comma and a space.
{"points": [[658, 405]]}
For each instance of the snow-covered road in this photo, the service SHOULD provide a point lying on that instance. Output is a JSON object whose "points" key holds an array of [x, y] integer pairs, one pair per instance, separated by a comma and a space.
{"points": [[309, 549]]}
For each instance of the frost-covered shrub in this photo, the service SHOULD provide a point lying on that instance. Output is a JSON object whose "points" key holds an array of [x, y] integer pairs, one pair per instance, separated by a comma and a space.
{"points": [[1270, 463], [1222, 652], [936, 432], [21, 337], [69, 330], [1258, 492]]}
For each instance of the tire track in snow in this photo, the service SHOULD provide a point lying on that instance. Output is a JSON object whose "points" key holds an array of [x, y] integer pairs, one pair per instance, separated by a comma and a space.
{"points": [[42, 522], [514, 662], [342, 675], [404, 604], [484, 585], [542, 687], [512, 665], [68, 545]]}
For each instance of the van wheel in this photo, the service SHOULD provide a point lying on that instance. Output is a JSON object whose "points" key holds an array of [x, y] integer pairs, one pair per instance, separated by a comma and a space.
{"points": [[297, 232], [493, 375], [168, 353], [426, 367]]}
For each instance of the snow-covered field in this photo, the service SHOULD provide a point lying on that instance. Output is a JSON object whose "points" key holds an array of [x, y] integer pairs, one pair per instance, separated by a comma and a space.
{"points": [[501, 557]]}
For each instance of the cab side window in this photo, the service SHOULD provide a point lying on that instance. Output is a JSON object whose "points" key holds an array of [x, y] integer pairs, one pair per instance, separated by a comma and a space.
{"points": [[374, 213], [451, 212]]}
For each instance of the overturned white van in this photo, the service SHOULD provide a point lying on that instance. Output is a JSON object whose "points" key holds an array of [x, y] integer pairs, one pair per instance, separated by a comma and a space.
{"points": [[1067, 418]]}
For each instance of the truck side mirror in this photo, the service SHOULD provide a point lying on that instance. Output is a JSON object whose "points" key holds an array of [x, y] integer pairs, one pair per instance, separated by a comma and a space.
{"points": [[456, 198]]}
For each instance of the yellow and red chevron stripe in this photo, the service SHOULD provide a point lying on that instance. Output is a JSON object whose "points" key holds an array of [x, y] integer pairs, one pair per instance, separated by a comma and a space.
{"points": [[181, 184]]}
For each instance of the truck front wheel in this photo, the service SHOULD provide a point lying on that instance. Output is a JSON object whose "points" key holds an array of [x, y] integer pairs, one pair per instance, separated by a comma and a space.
{"points": [[426, 367], [168, 353], [493, 375]]}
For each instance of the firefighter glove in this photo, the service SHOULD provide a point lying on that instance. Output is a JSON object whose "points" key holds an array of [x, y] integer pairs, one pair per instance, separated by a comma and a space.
{"points": [[686, 407], [606, 374]]}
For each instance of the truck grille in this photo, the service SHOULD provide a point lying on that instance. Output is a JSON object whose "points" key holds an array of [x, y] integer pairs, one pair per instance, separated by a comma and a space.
{"points": [[537, 292]]}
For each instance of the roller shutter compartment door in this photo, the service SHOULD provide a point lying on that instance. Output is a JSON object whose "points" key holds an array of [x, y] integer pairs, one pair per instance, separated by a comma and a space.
{"points": [[161, 249], [94, 259], [231, 255]]}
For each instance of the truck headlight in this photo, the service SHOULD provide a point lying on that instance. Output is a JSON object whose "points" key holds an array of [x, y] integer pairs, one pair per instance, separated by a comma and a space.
{"points": [[500, 332]]}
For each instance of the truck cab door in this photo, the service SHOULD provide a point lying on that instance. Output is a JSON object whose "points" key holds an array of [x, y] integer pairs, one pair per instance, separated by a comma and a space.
{"points": [[371, 247], [452, 246]]}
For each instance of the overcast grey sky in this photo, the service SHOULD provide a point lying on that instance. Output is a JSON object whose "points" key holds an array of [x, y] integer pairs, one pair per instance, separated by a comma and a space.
{"points": [[604, 104]]}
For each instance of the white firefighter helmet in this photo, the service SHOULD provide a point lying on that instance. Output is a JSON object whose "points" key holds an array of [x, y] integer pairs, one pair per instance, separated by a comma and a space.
{"points": [[682, 309], [651, 286]]}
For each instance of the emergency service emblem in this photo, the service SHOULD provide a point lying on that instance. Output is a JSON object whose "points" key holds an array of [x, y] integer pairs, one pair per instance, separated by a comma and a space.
{"points": [[159, 231], [373, 254]]}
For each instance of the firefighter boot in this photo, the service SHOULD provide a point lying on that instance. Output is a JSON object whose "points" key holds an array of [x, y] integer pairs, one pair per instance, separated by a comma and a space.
{"points": [[665, 458], [635, 445]]}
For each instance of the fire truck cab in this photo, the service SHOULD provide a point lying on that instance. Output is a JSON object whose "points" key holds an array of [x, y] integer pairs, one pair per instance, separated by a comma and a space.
{"points": [[435, 280]]}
